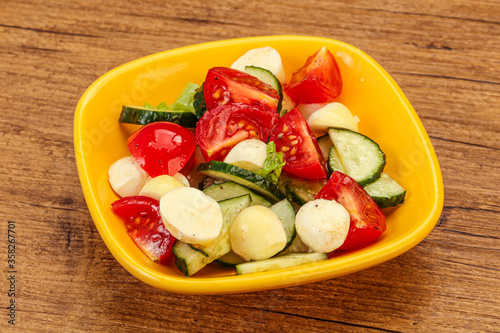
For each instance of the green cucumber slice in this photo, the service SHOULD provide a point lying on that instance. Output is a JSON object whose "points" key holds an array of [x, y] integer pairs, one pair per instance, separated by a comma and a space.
{"points": [[297, 246], [187, 259], [360, 157], [228, 190], [334, 162], [190, 260], [142, 116], [298, 190], [230, 259], [229, 208], [244, 177], [266, 76], [289, 260], [285, 212], [199, 102], [324, 144], [386, 191]]}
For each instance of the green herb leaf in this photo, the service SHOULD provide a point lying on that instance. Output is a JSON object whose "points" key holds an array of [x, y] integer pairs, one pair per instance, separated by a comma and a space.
{"points": [[273, 164], [184, 102]]}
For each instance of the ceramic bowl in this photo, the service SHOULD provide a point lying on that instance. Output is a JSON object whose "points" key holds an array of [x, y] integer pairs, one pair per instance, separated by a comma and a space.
{"points": [[369, 92]]}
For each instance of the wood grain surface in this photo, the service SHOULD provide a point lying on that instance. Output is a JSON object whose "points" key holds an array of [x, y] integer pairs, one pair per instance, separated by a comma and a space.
{"points": [[445, 55]]}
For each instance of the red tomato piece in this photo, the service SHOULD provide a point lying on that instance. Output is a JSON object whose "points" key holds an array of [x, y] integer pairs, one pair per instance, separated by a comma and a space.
{"points": [[226, 85], [162, 148], [145, 226], [222, 127], [300, 149], [317, 81], [367, 219]]}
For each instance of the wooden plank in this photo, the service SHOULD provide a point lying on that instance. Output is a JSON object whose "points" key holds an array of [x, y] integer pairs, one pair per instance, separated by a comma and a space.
{"points": [[445, 56]]}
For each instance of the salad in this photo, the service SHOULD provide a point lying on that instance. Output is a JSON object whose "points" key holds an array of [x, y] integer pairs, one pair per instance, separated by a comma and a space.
{"points": [[251, 170]]}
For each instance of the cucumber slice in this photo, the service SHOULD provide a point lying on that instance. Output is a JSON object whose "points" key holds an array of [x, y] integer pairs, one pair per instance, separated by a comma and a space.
{"points": [[230, 208], [187, 259], [360, 157], [230, 259], [199, 102], [244, 177], [297, 246], [266, 76], [141, 116], [324, 144], [289, 260], [334, 162], [298, 190], [190, 260], [386, 191], [284, 210], [228, 190]]}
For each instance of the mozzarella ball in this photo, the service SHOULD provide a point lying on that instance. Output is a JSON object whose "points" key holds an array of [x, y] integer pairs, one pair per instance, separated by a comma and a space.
{"points": [[249, 154], [332, 115], [191, 216], [126, 177], [157, 187], [322, 225], [183, 179], [257, 233], [264, 57]]}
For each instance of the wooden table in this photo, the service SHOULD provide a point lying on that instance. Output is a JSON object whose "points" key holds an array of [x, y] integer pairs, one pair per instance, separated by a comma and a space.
{"points": [[445, 55]]}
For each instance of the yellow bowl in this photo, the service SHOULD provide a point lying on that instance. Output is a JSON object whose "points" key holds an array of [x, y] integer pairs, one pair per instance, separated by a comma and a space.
{"points": [[369, 92]]}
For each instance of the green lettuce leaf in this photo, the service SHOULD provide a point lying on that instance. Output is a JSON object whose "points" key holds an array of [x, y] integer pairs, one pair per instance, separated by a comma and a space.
{"points": [[184, 102], [273, 164]]}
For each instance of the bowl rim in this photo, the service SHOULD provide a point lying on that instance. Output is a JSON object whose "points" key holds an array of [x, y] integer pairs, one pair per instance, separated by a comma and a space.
{"points": [[266, 280]]}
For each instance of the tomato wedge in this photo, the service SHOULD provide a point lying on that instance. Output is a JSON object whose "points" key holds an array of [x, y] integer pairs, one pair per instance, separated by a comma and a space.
{"points": [[226, 85], [317, 81], [222, 127], [301, 152], [145, 227], [162, 148], [367, 219]]}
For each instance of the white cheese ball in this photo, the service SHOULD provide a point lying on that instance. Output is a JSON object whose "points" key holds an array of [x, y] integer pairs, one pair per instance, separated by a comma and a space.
{"points": [[257, 233], [264, 57], [332, 115], [191, 216], [157, 187], [126, 177], [183, 179], [249, 154], [322, 225]]}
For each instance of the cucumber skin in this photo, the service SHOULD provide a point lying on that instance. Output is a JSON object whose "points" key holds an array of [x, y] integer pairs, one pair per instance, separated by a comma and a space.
{"points": [[285, 212], [384, 202], [286, 261], [190, 259], [229, 172], [324, 144], [233, 260], [300, 191], [259, 72], [182, 263], [228, 206], [220, 191], [142, 116], [374, 176], [265, 76], [199, 102], [391, 198]]}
